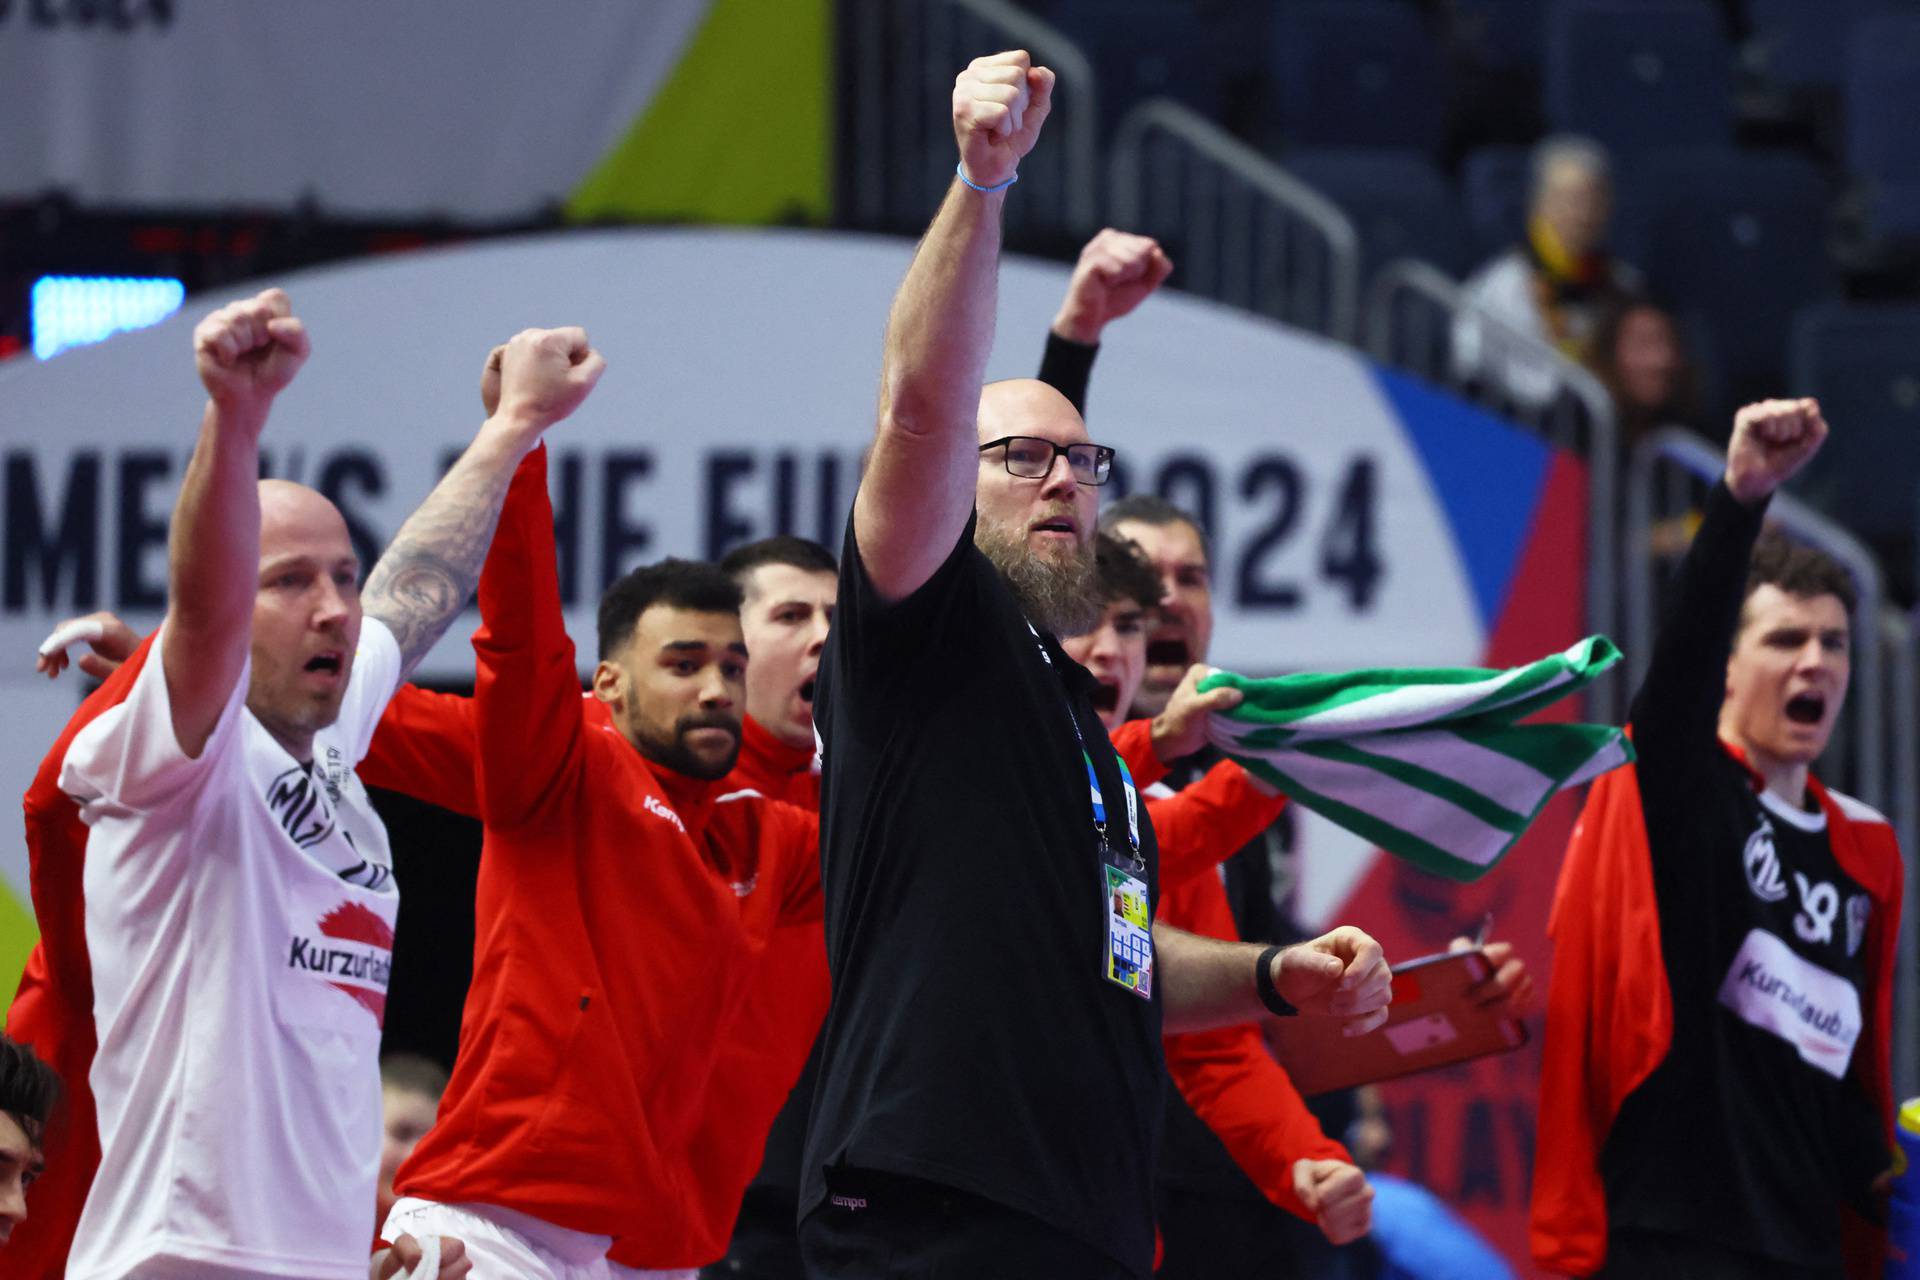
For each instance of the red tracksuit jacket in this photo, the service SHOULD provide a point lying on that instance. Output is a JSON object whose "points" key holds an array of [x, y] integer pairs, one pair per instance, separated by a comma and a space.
{"points": [[53, 1008], [620, 916]]}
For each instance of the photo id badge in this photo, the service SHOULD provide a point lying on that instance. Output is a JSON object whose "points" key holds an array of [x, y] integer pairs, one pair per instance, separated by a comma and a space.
{"points": [[1129, 932]]}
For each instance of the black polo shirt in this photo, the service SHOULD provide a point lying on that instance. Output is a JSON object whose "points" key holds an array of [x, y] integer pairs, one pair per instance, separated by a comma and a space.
{"points": [[974, 1039]]}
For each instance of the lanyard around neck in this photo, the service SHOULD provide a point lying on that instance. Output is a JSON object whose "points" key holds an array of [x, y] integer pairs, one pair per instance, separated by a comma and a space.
{"points": [[1093, 778]]}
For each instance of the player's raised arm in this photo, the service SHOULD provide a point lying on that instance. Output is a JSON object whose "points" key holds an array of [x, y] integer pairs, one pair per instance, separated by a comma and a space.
{"points": [[918, 491], [1679, 701], [246, 353], [429, 571], [1115, 273]]}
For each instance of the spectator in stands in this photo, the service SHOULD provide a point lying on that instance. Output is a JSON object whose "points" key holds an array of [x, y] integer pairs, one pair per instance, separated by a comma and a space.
{"points": [[1638, 353], [1553, 287], [410, 1089], [28, 1088]]}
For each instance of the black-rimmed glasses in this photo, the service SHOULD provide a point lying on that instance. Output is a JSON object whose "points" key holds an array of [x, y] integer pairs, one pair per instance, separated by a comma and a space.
{"points": [[1031, 458]]}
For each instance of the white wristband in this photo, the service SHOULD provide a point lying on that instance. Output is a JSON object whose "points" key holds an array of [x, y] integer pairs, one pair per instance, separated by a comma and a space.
{"points": [[87, 629]]}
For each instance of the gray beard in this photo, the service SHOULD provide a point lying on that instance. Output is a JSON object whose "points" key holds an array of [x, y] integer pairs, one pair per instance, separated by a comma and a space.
{"points": [[1061, 596]]}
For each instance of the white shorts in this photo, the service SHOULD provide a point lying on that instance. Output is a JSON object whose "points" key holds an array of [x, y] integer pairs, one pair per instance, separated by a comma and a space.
{"points": [[502, 1244], [505, 1245]]}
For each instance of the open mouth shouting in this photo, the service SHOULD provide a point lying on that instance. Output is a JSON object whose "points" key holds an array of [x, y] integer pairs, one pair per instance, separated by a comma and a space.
{"points": [[1060, 526], [1106, 695], [1808, 708], [1169, 650], [330, 664]]}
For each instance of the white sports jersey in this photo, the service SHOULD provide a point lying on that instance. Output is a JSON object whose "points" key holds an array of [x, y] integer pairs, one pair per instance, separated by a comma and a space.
{"points": [[240, 910]]}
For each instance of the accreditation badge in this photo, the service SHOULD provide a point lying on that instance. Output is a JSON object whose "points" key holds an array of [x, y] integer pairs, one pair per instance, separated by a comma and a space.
{"points": [[1129, 931]]}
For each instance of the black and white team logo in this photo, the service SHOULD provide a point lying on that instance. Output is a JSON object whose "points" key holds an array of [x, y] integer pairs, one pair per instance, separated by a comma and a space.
{"points": [[1762, 862], [1859, 911], [302, 806]]}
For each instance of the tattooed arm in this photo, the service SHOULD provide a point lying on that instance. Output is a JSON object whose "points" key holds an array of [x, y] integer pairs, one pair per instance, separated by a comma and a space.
{"points": [[430, 569]]}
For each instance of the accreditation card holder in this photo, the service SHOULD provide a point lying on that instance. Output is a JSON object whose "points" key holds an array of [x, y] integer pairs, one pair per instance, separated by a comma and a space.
{"points": [[1129, 958], [1435, 1022]]}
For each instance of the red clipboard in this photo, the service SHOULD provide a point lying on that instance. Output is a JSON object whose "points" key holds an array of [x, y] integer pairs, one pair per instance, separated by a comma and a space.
{"points": [[1435, 1022]]}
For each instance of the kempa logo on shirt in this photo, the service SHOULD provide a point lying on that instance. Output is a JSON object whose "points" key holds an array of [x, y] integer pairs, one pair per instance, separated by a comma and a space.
{"points": [[1762, 862], [848, 1202], [659, 810], [1771, 987], [353, 952], [1859, 911], [303, 809]]}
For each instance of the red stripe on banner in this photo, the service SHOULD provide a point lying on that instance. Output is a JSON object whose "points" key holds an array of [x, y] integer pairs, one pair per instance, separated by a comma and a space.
{"points": [[1467, 1132]]}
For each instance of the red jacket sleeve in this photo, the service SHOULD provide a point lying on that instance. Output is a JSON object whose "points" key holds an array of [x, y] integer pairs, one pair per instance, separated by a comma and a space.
{"points": [[1232, 1082], [425, 748], [799, 829], [1134, 742], [1609, 1024], [526, 692], [1216, 817], [53, 1008]]}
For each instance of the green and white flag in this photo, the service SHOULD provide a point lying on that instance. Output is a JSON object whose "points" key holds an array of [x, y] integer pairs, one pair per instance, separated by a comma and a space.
{"points": [[1426, 762]]}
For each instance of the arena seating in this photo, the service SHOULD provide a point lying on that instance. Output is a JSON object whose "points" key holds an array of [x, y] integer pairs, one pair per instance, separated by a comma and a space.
{"points": [[1737, 238], [1401, 204], [1356, 73], [1883, 102], [1493, 188], [1863, 364], [1639, 73]]}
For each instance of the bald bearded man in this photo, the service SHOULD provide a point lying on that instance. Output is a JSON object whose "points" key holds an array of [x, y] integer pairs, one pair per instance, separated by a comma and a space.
{"points": [[238, 887], [990, 1066]]}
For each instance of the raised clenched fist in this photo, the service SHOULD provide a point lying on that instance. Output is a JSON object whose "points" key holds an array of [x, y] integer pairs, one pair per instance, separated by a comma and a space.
{"points": [[542, 376], [247, 352], [999, 104], [1115, 273], [1771, 441]]}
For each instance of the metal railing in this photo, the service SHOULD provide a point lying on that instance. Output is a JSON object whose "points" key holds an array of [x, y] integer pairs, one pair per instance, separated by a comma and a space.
{"points": [[1415, 311], [900, 135], [1875, 749], [1244, 231]]}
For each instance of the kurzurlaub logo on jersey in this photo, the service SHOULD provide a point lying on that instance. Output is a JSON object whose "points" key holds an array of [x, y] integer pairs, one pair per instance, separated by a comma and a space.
{"points": [[1762, 862], [352, 952], [302, 807]]}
